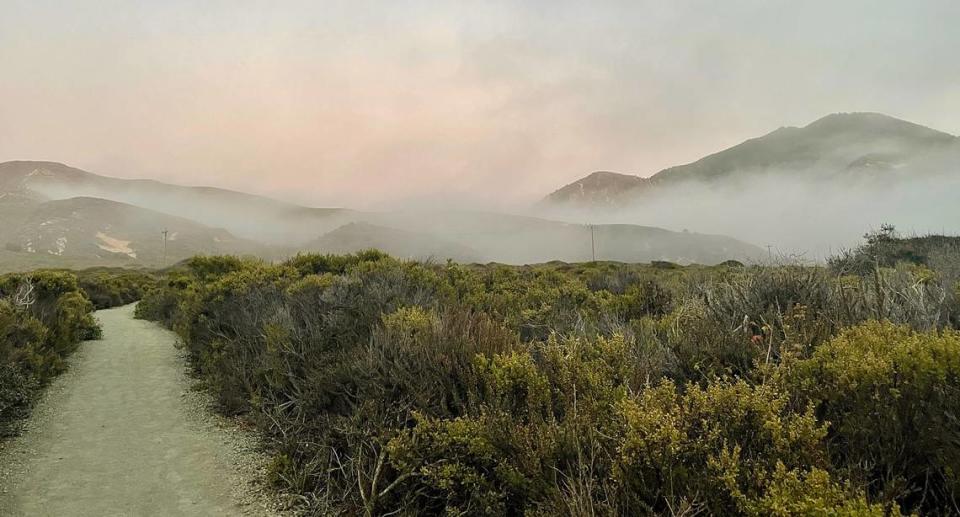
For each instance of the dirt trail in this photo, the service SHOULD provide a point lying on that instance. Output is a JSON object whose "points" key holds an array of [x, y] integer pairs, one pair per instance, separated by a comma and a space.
{"points": [[122, 434]]}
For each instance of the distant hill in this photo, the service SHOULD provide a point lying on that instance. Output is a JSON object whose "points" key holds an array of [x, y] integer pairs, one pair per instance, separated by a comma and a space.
{"points": [[518, 239], [92, 231], [842, 145], [59, 216], [354, 237], [246, 215], [599, 188]]}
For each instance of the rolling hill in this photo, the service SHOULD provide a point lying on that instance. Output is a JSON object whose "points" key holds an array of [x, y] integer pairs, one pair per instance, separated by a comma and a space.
{"points": [[353, 237], [517, 239], [246, 215], [92, 231]]}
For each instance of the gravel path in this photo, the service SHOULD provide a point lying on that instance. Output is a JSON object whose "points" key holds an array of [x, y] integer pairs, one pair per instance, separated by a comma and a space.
{"points": [[122, 433]]}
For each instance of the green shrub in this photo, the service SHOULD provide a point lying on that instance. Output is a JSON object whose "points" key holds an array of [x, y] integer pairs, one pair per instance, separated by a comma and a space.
{"points": [[17, 389], [113, 288], [715, 448], [663, 264], [646, 299], [383, 386], [814, 493], [316, 264], [536, 415], [892, 396], [43, 316]]}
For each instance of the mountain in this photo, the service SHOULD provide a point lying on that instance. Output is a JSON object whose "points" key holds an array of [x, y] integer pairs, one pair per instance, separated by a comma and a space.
{"points": [[94, 231], [245, 215], [838, 146]]}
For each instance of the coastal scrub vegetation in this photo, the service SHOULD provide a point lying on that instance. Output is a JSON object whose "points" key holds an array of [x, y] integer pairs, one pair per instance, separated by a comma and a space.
{"points": [[43, 316], [384, 386]]}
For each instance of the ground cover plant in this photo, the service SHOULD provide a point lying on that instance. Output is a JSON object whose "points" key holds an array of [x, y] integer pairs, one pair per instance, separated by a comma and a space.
{"points": [[392, 387]]}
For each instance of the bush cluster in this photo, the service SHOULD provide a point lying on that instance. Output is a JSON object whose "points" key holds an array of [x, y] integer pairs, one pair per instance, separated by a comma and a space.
{"points": [[392, 387], [108, 288], [43, 316]]}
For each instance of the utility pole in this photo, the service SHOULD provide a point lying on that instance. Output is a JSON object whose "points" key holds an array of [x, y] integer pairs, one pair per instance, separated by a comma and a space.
{"points": [[593, 245], [164, 232]]}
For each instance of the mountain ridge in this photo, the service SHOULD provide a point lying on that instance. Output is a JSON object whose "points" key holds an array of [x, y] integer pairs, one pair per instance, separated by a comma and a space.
{"points": [[835, 141]]}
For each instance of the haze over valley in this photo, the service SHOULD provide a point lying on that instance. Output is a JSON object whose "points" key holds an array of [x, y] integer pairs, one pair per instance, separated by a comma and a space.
{"points": [[71, 217], [807, 192]]}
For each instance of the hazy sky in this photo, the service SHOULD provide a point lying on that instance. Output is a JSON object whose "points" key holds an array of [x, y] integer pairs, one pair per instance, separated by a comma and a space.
{"points": [[489, 103]]}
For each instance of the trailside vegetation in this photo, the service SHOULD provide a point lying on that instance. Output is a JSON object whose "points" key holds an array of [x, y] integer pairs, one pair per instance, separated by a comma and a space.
{"points": [[391, 387], [43, 316], [113, 287]]}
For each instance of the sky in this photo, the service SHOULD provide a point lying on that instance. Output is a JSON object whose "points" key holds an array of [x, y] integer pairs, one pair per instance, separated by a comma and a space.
{"points": [[455, 103]]}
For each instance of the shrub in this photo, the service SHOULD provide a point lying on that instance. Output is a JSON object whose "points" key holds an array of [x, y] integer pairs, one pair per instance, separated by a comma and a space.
{"points": [[812, 493], [43, 316], [646, 299], [523, 445], [316, 264], [392, 387], [892, 396], [715, 448], [16, 393], [113, 288], [663, 264]]}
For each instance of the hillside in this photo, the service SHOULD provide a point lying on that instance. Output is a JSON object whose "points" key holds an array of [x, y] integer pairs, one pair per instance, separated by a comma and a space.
{"points": [[245, 215], [599, 188], [353, 237], [833, 147], [515, 239], [68, 215], [512, 239], [90, 231]]}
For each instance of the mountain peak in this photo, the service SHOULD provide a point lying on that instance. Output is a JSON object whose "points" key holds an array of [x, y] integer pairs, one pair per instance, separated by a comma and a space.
{"points": [[876, 123], [599, 186], [600, 175]]}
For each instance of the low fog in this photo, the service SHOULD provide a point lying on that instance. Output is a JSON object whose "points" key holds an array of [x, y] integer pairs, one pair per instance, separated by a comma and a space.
{"points": [[795, 213]]}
